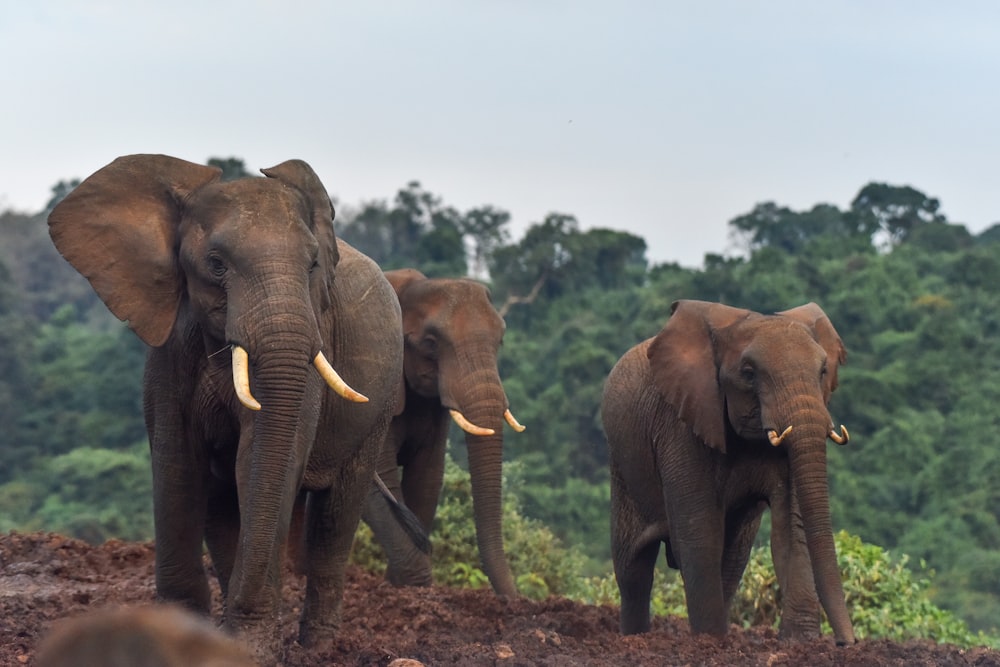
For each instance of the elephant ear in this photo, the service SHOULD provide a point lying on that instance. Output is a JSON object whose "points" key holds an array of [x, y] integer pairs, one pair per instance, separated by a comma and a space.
{"points": [[299, 175], [822, 330], [682, 362], [400, 279], [118, 228]]}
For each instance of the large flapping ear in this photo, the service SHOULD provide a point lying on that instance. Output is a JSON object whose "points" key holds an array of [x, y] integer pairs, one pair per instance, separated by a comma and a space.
{"points": [[401, 278], [119, 229], [298, 174], [682, 362], [822, 329]]}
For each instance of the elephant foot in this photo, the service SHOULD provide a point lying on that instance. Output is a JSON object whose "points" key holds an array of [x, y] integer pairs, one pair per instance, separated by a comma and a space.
{"points": [[423, 578], [799, 630], [318, 637], [262, 636]]}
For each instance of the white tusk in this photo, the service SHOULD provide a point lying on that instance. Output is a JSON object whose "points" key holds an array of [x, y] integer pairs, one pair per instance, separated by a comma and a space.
{"points": [[842, 438], [468, 426], [509, 416], [335, 381], [241, 378], [775, 438]]}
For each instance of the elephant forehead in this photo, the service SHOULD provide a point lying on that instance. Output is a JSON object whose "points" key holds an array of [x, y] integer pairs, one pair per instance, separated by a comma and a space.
{"points": [[238, 212], [767, 337]]}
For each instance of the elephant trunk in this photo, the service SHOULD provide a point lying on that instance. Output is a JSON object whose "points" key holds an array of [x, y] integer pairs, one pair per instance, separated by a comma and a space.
{"points": [[807, 460], [268, 474], [486, 409]]}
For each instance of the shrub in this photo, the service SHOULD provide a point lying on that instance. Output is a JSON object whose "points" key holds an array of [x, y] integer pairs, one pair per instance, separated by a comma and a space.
{"points": [[885, 598]]}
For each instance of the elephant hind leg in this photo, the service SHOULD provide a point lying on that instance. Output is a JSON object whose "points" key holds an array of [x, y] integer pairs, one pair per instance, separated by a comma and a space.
{"points": [[635, 546], [634, 572]]}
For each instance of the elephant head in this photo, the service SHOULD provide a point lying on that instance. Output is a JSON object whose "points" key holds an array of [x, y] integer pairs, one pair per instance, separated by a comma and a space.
{"points": [[197, 266], [452, 334], [737, 377]]}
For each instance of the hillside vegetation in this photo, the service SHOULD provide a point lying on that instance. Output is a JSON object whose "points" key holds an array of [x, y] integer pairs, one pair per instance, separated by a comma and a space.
{"points": [[913, 295]]}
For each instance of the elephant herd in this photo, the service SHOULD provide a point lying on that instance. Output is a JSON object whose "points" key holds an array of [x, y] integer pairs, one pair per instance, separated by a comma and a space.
{"points": [[250, 306]]}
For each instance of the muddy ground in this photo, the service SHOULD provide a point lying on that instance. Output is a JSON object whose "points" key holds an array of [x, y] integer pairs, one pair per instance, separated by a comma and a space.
{"points": [[46, 577]]}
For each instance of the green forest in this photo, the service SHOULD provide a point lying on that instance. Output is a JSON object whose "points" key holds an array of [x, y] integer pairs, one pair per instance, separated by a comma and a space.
{"points": [[913, 295]]}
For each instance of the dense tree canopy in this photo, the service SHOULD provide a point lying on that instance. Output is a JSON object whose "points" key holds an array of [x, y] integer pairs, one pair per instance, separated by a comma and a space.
{"points": [[913, 295]]}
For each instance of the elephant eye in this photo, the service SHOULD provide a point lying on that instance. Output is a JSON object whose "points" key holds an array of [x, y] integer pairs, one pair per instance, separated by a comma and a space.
{"points": [[315, 265], [748, 374], [429, 346], [216, 266]]}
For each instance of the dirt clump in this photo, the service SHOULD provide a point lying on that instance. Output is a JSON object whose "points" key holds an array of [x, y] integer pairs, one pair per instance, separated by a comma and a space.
{"points": [[45, 578]]}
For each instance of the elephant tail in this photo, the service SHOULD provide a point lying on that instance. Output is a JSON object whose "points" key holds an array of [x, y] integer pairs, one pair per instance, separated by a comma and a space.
{"points": [[406, 518]]}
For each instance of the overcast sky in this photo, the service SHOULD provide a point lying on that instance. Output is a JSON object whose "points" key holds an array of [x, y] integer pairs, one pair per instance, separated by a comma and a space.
{"points": [[664, 119]]}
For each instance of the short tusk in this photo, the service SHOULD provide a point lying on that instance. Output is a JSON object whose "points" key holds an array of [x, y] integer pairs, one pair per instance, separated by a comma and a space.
{"points": [[514, 424], [335, 381], [775, 438], [842, 438], [468, 426], [241, 378]]}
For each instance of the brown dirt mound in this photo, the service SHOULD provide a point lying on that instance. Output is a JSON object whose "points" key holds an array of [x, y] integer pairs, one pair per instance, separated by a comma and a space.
{"points": [[46, 577]]}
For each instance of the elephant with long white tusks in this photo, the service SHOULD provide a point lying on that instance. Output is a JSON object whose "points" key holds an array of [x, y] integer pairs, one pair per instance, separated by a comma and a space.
{"points": [[293, 416]]}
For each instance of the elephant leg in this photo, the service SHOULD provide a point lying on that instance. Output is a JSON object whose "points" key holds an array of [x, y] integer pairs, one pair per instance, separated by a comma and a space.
{"points": [[423, 476], [800, 613], [634, 552], [407, 565], [179, 525], [222, 531], [332, 517], [741, 530]]}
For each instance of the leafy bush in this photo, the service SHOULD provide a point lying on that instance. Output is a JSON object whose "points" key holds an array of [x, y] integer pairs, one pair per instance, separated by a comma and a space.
{"points": [[88, 493], [885, 598]]}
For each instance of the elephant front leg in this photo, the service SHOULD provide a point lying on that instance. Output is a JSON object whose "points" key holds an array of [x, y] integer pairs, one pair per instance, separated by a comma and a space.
{"points": [[697, 541], [407, 565], [179, 523], [800, 612]]}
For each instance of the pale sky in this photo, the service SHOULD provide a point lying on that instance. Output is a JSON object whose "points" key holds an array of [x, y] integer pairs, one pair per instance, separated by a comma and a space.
{"points": [[664, 119]]}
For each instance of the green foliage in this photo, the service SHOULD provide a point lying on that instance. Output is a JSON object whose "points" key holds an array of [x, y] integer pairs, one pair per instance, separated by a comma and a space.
{"points": [[885, 598], [913, 296], [91, 494]]}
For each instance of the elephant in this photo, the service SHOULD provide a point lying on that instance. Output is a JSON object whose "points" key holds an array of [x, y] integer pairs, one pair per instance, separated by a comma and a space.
{"points": [[145, 636], [719, 416], [250, 307], [452, 334]]}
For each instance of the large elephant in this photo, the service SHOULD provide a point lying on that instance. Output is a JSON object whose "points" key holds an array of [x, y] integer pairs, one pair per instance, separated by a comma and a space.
{"points": [[720, 415], [452, 334], [233, 287]]}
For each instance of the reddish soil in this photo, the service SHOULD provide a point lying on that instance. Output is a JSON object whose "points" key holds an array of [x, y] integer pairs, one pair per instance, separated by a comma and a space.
{"points": [[47, 577]]}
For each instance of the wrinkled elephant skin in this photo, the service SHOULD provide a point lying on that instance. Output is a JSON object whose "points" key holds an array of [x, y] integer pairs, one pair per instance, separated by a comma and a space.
{"points": [[452, 334], [245, 275], [721, 415]]}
